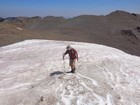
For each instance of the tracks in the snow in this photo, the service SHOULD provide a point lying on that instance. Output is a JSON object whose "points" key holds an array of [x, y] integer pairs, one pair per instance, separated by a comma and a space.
{"points": [[77, 89]]}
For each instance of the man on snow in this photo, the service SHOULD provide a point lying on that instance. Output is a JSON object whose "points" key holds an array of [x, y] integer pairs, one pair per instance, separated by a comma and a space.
{"points": [[73, 55]]}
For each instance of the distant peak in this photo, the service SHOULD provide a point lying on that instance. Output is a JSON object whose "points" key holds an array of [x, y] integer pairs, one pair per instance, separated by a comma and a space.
{"points": [[119, 12], [122, 14]]}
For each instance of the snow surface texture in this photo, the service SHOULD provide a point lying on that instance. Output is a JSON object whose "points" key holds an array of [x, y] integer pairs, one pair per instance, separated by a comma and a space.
{"points": [[32, 73]]}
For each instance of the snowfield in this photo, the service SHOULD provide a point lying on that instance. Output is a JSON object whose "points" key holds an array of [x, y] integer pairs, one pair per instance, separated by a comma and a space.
{"points": [[32, 72]]}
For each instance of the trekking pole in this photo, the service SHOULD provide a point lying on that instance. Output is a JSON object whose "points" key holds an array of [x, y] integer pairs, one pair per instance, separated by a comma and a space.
{"points": [[64, 66]]}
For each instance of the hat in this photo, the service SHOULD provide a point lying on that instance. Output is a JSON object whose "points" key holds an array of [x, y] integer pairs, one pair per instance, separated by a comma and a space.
{"points": [[69, 47]]}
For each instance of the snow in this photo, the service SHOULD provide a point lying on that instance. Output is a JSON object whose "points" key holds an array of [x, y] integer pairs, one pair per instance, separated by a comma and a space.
{"points": [[32, 72], [18, 28]]}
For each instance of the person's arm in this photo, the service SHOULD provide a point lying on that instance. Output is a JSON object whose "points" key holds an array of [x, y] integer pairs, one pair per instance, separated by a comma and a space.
{"points": [[65, 54]]}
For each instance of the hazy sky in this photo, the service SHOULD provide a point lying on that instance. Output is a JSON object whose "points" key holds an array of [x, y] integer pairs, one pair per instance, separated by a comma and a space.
{"points": [[66, 8]]}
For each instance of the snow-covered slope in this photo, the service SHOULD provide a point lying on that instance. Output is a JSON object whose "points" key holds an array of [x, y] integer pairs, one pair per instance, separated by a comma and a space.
{"points": [[31, 73]]}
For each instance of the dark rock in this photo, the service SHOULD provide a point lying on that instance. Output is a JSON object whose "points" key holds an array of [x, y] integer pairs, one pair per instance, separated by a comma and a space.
{"points": [[138, 29], [1, 19], [41, 98], [10, 19], [35, 18], [130, 36], [134, 14], [128, 33]]}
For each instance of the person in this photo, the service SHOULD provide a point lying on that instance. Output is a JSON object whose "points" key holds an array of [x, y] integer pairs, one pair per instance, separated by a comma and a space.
{"points": [[73, 56]]}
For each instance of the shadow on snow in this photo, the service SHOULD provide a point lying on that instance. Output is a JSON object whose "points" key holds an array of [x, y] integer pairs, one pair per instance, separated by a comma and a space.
{"points": [[56, 73]]}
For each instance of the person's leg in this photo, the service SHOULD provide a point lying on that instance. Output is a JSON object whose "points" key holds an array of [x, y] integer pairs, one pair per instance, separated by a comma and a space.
{"points": [[70, 64], [73, 65]]}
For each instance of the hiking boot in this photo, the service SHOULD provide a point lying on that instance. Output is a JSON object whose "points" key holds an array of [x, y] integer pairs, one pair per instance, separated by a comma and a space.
{"points": [[73, 70]]}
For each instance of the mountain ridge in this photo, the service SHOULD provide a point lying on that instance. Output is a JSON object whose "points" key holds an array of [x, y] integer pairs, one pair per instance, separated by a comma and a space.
{"points": [[112, 30]]}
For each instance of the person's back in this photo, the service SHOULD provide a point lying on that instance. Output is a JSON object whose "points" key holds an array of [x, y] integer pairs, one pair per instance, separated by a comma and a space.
{"points": [[72, 53]]}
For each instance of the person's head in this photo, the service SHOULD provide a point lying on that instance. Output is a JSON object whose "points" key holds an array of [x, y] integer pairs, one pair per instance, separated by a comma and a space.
{"points": [[69, 47]]}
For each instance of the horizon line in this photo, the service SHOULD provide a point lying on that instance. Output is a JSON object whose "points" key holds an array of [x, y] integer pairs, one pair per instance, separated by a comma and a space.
{"points": [[88, 14]]}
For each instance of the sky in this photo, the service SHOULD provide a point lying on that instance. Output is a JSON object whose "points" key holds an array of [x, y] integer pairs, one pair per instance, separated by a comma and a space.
{"points": [[65, 8]]}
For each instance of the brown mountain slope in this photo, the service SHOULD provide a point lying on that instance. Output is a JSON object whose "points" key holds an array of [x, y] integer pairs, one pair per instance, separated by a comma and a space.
{"points": [[119, 29]]}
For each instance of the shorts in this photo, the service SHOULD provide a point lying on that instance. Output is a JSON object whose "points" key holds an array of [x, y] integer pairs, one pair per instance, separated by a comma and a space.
{"points": [[72, 62]]}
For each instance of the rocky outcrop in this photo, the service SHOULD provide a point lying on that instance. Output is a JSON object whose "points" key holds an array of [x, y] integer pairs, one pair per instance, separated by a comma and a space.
{"points": [[138, 29], [128, 33], [130, 36], [1, 19]]}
